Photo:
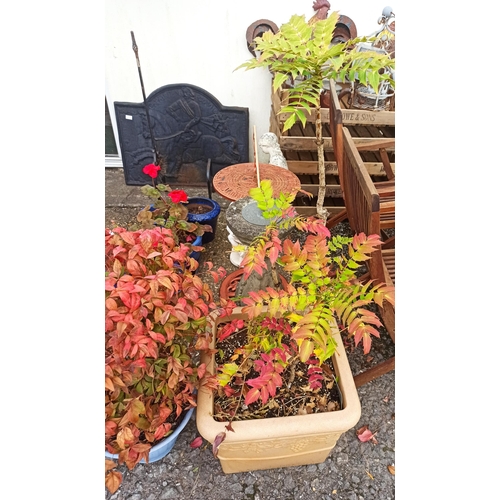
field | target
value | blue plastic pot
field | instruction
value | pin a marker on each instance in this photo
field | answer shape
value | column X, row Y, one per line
column 158, row 451
column 206, row 218
column 197, row 242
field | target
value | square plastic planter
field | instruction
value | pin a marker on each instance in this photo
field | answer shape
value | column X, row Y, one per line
column 284, row 441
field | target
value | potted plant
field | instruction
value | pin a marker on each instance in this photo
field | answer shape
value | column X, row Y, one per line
column 304, row 55
column 285, row 392
column 156, row 312
column 204, row 211
column 191, row 218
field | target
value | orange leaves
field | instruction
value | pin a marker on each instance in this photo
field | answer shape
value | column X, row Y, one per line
column 162, row 431
column 124, row 437
column 113, row 477
column 361, row 328
column 293, row 256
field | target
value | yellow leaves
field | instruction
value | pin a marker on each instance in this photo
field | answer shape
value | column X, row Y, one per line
column 294, row 317
column 228, row 370
column 305, row 350
column 274, row 306
column 392, row 469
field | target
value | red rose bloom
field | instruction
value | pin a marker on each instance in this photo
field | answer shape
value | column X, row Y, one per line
column 151, row 170
column 178, row 195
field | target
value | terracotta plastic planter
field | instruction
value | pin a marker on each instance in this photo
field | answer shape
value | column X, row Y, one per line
column 284, row 441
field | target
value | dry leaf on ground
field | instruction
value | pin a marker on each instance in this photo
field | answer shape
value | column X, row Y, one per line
column 364, row 434
column 113, row 480
column 391, row 469
column 196, row 443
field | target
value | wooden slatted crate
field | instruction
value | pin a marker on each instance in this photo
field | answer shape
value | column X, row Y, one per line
column 370, row 130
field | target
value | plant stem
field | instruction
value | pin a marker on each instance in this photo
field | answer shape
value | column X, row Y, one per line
column 322, row 212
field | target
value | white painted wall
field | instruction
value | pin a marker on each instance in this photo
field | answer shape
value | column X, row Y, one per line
column 201, row 42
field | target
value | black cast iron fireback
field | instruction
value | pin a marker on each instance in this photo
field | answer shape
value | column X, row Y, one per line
column 189, row 126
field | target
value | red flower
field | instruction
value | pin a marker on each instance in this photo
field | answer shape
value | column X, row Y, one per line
column 151, row 170
column 178, row 195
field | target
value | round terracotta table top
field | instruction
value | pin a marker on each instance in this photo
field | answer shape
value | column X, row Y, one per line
column 235, row 181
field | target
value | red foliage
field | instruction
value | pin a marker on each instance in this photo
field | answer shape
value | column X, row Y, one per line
column 156, row 312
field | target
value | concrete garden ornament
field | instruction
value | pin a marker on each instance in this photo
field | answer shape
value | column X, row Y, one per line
column 269, row 144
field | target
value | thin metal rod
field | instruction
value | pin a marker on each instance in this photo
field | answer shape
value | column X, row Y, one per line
column 136, row 50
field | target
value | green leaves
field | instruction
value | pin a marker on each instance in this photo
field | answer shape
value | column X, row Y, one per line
column 272, row 207
column 304, row 54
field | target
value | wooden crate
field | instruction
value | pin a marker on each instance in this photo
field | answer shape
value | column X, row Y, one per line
column 369, row 129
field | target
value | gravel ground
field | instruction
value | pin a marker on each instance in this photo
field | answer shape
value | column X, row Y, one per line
column 353, row 470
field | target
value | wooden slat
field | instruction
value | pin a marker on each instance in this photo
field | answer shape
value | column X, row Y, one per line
column 332, row 190
column 377, row 118
column 372, row 373
column 387, row 164
column 349, row 116
column 312, row 210
column 369, row 131
column 387, row 206
column 309, row 143
column 374, row 144
column 311, row 167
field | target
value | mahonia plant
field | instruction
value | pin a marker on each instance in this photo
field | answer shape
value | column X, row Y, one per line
column 299, row 322
column 156, row 311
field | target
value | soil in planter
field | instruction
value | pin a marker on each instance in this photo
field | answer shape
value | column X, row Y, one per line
column 293, row 398
column 198, row 208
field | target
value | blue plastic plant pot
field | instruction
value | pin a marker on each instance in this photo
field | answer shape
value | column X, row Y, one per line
column 198, row 240
column 198, row 243
column 163, row 448
column 206, row 218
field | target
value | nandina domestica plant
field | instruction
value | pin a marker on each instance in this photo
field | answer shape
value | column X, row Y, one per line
column 168, row 209
column 156, row 313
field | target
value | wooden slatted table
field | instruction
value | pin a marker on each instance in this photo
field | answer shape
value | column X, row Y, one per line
column 235, row 181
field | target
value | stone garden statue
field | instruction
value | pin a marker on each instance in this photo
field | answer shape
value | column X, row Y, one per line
column 269, row 144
